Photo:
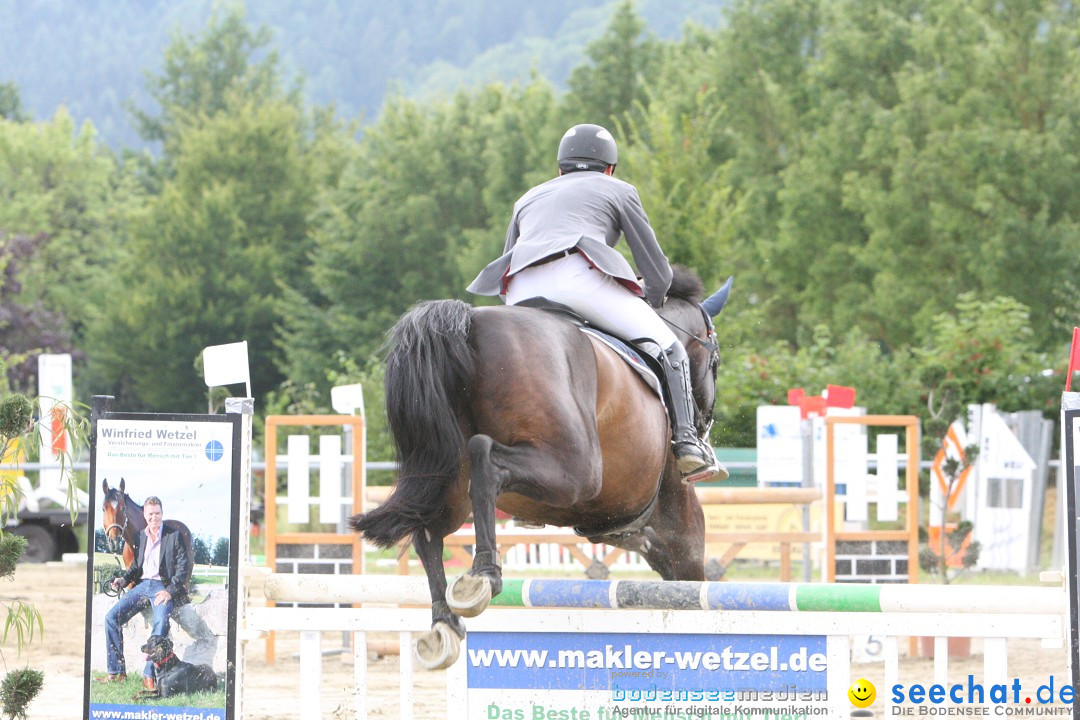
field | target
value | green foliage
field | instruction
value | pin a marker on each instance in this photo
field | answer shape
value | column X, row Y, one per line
column 372, row 377
column 19, row 431
column 18, row 688
column 63, row 204
column 203, row 73
column 955, row 544
column 11, row 103
column 413, row 218
column 24, row 619
column 690, row 205
column 967, row 168
column 11, row 549
column 201, row 550
column 857, row 166
column 16, row 415
column 18, row 428
column 221, row 552
column 612, row 83
column 980, row 352
column 750, row 377
column 209, row 253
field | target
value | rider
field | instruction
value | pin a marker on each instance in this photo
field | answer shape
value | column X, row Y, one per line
column 560, row 246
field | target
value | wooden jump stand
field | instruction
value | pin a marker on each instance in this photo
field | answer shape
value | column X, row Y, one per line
column 910, row 532
column 273, row 537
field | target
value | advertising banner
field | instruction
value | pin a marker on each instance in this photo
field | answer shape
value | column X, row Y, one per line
column 1070, row 480
column 594, row 676
column 162, row 578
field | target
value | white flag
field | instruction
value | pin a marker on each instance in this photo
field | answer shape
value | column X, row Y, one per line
column 348, row 399
column 226, row 364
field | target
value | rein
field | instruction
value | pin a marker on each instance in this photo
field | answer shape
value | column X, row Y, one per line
column 709, row 344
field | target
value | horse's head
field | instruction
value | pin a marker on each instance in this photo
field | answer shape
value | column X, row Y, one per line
column 114, row 516
column 690, row 316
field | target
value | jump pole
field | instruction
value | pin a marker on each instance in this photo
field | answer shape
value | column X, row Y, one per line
column 834, row 611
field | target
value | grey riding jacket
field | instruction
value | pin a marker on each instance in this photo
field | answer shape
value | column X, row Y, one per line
column 587, row 212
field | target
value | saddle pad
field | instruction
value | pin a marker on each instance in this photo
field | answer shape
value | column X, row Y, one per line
column 632, row 357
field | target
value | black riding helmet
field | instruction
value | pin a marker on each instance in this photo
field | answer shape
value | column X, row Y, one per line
column 587, row 147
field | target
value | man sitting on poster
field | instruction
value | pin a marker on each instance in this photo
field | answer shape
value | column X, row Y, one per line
column 160, row 571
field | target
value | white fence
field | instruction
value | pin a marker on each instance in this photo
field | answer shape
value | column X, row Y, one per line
column 995, row 614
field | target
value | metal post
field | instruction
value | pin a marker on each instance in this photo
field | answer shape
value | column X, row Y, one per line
column 807, row 482
column 245, row 407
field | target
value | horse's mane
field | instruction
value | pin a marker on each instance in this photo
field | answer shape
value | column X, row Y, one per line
column 686, row 285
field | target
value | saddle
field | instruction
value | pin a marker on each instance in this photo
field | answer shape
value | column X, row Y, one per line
column 643, row 363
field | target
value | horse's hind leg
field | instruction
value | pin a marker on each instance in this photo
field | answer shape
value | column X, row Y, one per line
column 557, row 479
column 470, row 594
column 437, row 648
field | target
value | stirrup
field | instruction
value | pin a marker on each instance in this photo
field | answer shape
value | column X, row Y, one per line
column 698, row 466
column 716, row 472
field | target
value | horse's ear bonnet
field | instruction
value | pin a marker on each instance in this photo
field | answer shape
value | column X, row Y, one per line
column 716, row 302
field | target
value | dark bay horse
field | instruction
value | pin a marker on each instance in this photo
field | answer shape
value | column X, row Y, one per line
column 123, row 520
column 516, row 408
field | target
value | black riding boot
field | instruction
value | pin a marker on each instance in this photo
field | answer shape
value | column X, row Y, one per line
column 694, row 459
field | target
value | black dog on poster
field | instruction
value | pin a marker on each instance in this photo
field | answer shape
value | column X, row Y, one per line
column 174, row 676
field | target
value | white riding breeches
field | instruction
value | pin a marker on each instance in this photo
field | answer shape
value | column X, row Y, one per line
column 594, row 295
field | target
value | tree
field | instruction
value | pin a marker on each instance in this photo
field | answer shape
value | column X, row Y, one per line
column 221, row 552
column 11, row 103
column 753, row 373
column 967, row 169
column 201, row 75
column 611, row 86
column 690, row 205
column 201, row 550
column 209, row 253
column 62, row 210
column 417, row 214
column 981, row 352
column 747, row 90
column 27, row 327
column 205, row 257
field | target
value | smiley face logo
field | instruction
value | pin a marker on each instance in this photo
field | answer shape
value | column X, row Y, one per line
column 862, row 693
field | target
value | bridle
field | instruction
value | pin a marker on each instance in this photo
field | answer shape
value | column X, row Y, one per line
column 122, row 528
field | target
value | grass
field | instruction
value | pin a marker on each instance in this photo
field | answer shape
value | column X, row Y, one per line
column 127, row 693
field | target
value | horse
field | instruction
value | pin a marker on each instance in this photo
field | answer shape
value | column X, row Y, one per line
column 516, row 408
column 123, row 520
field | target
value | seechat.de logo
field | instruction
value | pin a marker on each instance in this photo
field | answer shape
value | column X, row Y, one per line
column 215, row 450
column 862, row 694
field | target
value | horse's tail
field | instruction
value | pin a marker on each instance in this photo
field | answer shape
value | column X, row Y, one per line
column 428, row 372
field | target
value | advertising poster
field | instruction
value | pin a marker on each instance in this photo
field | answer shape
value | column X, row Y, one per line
column 1070, row 474
column 602, row 676
column 162, row 577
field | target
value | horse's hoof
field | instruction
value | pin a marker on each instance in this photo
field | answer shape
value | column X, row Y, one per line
column 437, row 649
column 468, row 595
